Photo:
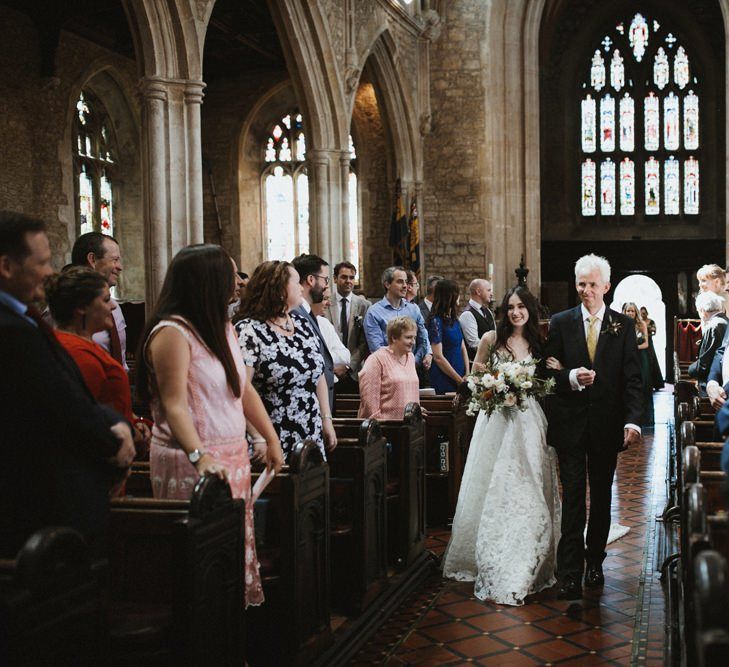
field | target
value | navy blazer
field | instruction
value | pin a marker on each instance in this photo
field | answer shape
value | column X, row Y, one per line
column 714, row 334
column 715, row 371
column 615, row 399
column 55, row 440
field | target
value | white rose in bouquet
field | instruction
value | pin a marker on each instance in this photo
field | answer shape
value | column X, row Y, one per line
column 510, row 400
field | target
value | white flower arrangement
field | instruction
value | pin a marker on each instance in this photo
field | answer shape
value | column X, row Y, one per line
column 506, row 385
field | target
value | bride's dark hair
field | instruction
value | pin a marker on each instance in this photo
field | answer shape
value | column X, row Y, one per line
column 531, row 332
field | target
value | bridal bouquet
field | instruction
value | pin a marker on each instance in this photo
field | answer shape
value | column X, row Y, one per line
column 506, row 385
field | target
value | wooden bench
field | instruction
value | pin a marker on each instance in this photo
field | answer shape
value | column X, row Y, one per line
column 176, row 577
column 50, row 603
column 292, row 541
column 358, row 513
column 711, row 605
column 405, row 483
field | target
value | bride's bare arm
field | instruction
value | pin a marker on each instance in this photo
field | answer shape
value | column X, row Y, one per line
column 485, row 344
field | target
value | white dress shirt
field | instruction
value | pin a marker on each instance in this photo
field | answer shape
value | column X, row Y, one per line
column 576, row 386
column 104, row 339
column 469, row 326
column 428, row 303
column 340, row 354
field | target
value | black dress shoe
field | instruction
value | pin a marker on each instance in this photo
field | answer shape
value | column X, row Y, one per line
column 570, row 589
column 594, row 576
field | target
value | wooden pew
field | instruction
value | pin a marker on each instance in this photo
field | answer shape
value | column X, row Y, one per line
column 50, row 603
column 292, row 541
column 358, row 512
column 139, row 483
column 711, row 604
column 176, row 578
column 405, row 483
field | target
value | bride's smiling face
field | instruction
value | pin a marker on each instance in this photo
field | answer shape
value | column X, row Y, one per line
column 518, row 313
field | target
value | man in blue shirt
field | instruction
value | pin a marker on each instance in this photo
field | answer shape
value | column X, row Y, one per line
column 394, row 304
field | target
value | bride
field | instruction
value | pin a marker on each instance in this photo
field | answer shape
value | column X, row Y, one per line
column 506, row 526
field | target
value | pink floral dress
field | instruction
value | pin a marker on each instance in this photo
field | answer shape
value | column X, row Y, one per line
column 218, row 418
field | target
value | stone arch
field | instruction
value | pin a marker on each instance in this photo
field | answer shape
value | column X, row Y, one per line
column 117, row 96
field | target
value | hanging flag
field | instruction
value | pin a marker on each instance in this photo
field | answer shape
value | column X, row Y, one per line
column 414, row 239
column 399, row 230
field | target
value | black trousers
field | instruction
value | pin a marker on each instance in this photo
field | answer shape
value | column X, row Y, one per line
column 576, row 465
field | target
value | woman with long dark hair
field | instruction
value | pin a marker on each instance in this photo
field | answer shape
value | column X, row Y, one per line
column 510, row 472
column 192, row 372
column 450, row 355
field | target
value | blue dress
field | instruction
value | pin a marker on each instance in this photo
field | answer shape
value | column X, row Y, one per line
column 451, row 337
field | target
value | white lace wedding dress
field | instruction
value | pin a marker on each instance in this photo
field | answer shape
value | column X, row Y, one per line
column 507, row 523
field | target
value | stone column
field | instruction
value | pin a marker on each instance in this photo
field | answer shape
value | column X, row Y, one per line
column 319, row 213
column 344, row 162
column 154, row 189
column 172, row 172
column 193, row 100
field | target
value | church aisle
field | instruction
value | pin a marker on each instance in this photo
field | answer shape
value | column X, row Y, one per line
column 445, row 624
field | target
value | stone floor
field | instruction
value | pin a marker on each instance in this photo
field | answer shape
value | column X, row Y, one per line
column 443, row 623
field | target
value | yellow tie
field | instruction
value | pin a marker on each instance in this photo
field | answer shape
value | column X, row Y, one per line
column 592, row 338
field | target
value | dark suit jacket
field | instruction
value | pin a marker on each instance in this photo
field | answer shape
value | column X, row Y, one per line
column 54, row 439
column 356, row 341
column 711, row 340
column 715, row 370
column 328, row 361
column 615, row 399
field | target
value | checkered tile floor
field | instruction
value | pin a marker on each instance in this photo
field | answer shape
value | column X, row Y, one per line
column 623, row 624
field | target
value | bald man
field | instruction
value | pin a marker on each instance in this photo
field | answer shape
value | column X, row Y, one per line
column 477, row 319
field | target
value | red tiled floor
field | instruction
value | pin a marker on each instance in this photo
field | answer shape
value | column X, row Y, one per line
column 455, row 628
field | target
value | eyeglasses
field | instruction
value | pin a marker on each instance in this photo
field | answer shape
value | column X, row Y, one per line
column 324, row 278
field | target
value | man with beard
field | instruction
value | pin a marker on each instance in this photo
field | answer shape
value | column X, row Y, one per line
column 314, row 278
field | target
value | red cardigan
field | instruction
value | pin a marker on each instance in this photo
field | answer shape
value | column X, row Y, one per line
column 104, row 376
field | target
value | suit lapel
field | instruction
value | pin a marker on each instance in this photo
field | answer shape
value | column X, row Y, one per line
column 602, row 339
column 579, row 327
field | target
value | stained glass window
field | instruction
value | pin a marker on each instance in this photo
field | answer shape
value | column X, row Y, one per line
column 627, row 123
column 661, row 70
column 588, row 125
column 691, row 121
column 652, row 187
column 285, row 183
column 651, row 114
column 638, row 36
column 607, row 187
column 588, row 188
column 627, row 187
column 645, row 170
column 598, row 71
column 672, row 187
column 607, row 124
column 681, row 68
column 95, row 164
column 691, row 186
column 671, row 131
column 617, row 71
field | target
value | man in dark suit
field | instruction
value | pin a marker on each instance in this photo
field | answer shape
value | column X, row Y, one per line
column 61, row 450
column 346, row 312
column 314, row 278
column 710, row 307
column 717, row 382
column 595, row 414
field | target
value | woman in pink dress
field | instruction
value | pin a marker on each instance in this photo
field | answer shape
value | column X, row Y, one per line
column 195, row 380
column 388, row 380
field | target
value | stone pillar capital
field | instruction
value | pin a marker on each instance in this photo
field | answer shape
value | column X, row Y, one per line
column 194, row 92
column 319, row 156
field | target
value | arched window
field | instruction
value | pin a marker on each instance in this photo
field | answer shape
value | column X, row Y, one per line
column 639, row 125
column 286, row 192
column 95, row 166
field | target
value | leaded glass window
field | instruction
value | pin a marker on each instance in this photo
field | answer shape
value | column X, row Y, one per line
column 285, row 183
column 95, row 166
column 642, row 137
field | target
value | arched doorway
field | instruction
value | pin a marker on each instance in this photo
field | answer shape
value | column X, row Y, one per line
column 645, row 292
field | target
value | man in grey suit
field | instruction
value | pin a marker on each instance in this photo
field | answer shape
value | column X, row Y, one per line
column 314, row 278
column 346, row 312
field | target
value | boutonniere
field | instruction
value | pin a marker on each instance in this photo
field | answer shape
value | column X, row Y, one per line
column 612, row 327
column 358, row 319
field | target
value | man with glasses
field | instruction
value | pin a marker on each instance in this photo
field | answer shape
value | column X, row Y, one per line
column 314, row 278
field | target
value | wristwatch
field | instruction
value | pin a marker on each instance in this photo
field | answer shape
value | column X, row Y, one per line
column 195, row 455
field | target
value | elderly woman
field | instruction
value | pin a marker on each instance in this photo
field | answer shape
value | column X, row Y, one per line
column 713, row 325
column 388, row 380
column 282, row 357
